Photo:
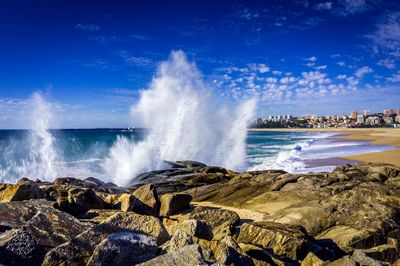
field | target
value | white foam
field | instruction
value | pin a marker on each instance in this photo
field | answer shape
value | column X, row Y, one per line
column 184, row 121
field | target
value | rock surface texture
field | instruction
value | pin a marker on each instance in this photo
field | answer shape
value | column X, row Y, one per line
column 193, row 214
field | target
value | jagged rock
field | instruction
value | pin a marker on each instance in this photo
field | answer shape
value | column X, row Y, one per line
column 185, row 164
column 192, row 228
column 79, row 201
column 97, row 215
column 178, row 240
column 221, row 221
column 312, row 260
column 344, row 261
column 228, row 252
column 89, row 182
column 20, row 191
column 48, row 226
column 79, row 250
column 285, row 240
column 362, row 259
column 131, row 203
column 111, row 200
column 147, row 194
column 188, row 255
column 173, row 203
column 18, row 247
column 124, row 248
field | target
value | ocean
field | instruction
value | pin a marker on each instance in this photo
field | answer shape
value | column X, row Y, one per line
column 82, row 152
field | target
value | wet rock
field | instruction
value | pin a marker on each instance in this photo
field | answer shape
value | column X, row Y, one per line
column 285, row 240
column 188, row 255
column 124, row 248
column 49, row 226
column 19, row 192
column 221, row 221
column 18, row 247
column 79, row 250
column 173, row 203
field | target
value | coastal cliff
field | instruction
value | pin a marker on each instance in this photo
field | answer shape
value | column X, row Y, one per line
column 194, row 214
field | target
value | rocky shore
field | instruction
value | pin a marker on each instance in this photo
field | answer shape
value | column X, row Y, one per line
column 194, row 214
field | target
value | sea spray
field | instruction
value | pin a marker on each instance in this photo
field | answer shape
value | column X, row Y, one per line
column 185, row 123
column 31, row 154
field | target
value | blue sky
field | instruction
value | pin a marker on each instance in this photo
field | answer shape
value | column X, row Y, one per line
column 91, row 58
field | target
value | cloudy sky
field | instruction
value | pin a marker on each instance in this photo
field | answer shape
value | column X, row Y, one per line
column 91, row 58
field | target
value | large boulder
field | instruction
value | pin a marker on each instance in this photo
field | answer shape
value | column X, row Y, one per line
column 49, row 226
column 191, row 227
column 18, row 247
column 144, row 200
column 221, row 221
column 124, row 248
column 148, row 195
column 80, row 200
column 80, row 249
column 188, row 255
column 173, row 203
column 285, row 240
column 20, row 191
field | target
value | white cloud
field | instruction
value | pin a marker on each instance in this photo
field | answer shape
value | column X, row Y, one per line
column 87, row 27
column 388, row 63
column 386, row 37
column 140, row 37
column 360, row 72
column 323, row 6
column 341, row 63
column 349, row 7
column 311, row 59
column 395, row 77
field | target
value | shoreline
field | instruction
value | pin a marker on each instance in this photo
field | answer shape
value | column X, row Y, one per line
column 375, row 136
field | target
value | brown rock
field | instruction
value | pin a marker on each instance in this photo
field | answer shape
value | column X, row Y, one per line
column 221, row 221
column 21, row 191
column 48, row 226
column 79, row 250
column 285, row 240
column 173, row 203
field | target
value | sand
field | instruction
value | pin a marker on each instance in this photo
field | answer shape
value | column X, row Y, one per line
column 378, row 136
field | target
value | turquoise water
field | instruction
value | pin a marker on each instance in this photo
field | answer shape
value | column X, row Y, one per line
column 81, row 153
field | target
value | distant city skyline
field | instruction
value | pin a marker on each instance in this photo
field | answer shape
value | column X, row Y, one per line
column 91, row 59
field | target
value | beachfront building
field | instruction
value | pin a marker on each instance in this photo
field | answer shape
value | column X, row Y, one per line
column 354, row 115
column 360, row 119
column 373, row 120
column 366, row 113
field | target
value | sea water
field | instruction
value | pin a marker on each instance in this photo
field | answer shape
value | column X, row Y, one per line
column 82, row 152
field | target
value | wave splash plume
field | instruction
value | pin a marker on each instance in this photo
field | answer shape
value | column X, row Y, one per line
column 185, row 123
column 32, row 154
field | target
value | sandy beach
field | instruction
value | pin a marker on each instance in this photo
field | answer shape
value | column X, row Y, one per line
column 377, row 136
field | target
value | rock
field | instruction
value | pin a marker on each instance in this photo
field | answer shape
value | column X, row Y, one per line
column 192, row 228
column 173, row 203
column 179, row 240
column 124, row 248
column 344, row 261
column 228, row 252
column 221, row 221
column 79, row 250
column 19, row 192
column 48, row 226
column 79, row 201
column 188, row 255
column 147, row 194
column 18, row 247
column 131, row 203
column 285, row 240
column 388, row 252
column 361, row 259
column 112, row 200
column 312, row 260
column 97, row 215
